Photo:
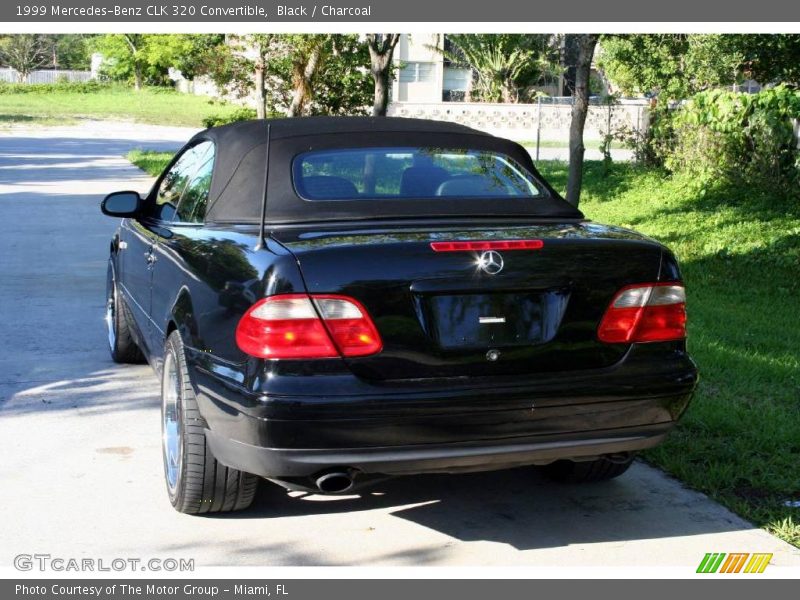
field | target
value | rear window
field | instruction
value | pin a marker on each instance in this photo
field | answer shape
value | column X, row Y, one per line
column 397, row 173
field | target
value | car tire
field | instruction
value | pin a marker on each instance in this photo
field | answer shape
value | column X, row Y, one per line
column 120, row 341
column 603, row 469
column 196, row 482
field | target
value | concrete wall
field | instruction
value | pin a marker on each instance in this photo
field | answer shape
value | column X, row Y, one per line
column 549, row 119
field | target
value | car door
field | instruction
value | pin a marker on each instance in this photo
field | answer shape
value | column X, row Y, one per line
column 135, row 243
column 173, row 232
column 140, row 253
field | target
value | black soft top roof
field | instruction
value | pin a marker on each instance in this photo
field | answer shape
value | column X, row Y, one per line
column 302, row 126
column 240, row 170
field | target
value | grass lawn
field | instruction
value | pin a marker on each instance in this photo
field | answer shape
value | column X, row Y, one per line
column 740, row 253
column 150, row 161
column 150, row 105
column 17, row 119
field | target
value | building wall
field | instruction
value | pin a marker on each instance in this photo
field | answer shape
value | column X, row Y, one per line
column 422, row 73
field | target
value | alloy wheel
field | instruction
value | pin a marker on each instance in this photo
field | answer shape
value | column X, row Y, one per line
column 171, row 430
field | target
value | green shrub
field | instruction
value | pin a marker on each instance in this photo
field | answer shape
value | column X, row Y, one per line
column 160, row 89
column 240, row 114
column 92, row 86
column 78, row 87
column 743, row 140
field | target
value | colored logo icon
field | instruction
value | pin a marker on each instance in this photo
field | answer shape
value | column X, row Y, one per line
column 734, row 562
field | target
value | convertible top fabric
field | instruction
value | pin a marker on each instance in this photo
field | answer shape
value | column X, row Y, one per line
column 240, row 171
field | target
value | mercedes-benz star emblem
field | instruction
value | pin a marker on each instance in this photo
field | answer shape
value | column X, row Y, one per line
column 491, row 262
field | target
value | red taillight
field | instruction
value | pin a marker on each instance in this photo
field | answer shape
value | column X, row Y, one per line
column 349, row 325
column 651, row 312
column 487, row 245
column 289, row 326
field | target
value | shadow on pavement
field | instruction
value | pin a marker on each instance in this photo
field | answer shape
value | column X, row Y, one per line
column 519, row 507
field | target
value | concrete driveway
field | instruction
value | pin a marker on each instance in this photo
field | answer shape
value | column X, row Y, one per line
column 81, row 469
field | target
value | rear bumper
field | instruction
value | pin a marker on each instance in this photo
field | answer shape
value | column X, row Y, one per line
column 290, row 464
column 422, row 426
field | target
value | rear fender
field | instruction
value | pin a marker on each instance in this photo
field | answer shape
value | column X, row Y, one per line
column 182, row 318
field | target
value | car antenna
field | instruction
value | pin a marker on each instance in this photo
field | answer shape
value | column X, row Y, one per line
column 262, row 226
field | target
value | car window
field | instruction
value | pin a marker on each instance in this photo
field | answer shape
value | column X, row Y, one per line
column 367, row 173
column 174, row 181
column 192, row 207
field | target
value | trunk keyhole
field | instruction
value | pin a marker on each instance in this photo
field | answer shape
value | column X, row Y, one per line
column 492, row 355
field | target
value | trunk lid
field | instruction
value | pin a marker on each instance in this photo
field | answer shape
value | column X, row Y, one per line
column 440, row 315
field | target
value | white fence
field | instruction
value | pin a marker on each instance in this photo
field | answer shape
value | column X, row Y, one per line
column 548, row 120
column 45, row 76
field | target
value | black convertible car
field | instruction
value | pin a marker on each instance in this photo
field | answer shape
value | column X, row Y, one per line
column 331, row 301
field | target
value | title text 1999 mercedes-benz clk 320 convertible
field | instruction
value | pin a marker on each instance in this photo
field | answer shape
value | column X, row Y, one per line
column 333, row 301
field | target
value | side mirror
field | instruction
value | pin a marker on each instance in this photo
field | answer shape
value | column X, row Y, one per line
column 121, row 204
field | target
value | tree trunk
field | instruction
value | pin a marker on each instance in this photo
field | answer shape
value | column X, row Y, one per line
column 510, row 94
column 580, row 107
column 303, row 78
column 261, row 98
column 381, row 50
column 381, row 102
column 298, row 100
column 137, row 76
column 132, row 40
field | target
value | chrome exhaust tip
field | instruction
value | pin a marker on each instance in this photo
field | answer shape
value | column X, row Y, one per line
column 334, row 483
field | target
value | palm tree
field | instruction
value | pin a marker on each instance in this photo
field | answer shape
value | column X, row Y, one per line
column 506, row 65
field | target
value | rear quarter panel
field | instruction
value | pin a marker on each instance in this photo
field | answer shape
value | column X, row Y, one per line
column 206, row 278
